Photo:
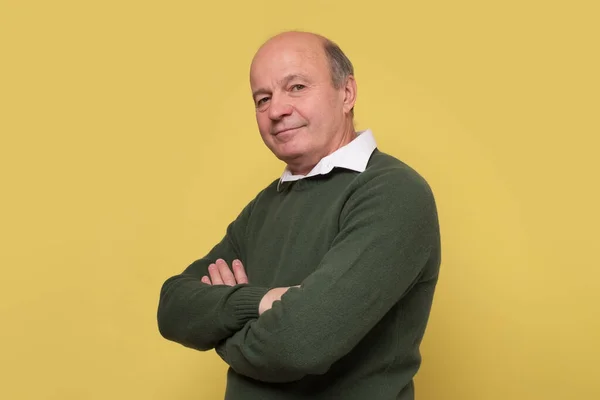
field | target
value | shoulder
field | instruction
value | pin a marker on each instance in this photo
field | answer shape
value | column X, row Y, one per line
column 388, row 174
column 391, row 193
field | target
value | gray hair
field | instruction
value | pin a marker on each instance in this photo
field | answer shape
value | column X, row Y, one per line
column 339, row 64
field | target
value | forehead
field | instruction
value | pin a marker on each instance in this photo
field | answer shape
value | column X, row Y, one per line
column 275, row 61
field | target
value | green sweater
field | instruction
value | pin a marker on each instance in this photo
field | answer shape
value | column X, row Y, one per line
column 365, row 248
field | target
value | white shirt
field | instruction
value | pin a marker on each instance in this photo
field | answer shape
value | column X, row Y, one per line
column 354, row 156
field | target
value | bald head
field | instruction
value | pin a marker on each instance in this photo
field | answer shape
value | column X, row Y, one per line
column 294, row 37
column 306, row 40
column 340, row 67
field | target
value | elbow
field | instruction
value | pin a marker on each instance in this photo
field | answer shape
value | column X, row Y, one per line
column 169, row 324
column 174, row 323
column 176, row 329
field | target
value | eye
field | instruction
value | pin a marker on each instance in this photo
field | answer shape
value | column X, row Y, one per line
column 262, row 101
column 297, row 87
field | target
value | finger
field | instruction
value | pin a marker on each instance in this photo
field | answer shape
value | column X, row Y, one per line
column 225, row 272
column 239, row 272
column 215, row 275
column 206, row 279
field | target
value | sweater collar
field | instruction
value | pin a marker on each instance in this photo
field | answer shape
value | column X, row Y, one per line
column 353, row 156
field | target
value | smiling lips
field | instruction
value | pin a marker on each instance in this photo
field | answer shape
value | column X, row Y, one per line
column 285, row 130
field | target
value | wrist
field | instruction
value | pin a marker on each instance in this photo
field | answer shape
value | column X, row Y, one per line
column 265, row 303
column 270, row 297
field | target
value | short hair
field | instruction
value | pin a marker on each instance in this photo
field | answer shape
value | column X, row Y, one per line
column 340, row 65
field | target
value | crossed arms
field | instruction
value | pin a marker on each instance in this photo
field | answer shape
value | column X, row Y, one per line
column 221, row 274
column 284, row 334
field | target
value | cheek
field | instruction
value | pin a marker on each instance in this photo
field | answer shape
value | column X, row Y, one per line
column 308, row 112
column 318, row 109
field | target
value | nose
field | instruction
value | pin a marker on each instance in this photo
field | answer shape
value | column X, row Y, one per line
column 279, row 107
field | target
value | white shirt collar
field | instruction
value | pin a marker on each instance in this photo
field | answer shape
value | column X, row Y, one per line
column 354, row 156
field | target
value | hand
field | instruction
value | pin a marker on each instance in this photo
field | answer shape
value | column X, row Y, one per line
column 272, row 296
column 220, row 274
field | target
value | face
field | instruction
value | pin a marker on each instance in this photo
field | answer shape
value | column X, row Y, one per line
column 301, row 116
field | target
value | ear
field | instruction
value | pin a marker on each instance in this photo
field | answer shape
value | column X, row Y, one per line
column 349, row 94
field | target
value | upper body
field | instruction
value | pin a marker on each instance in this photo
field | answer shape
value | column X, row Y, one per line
column 335, row 268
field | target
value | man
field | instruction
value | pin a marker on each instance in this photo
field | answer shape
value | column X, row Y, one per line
column 333, row 266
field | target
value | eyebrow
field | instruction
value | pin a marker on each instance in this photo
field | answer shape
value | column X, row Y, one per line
column 287, row 79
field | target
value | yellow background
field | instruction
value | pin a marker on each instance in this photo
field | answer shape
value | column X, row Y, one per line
column 128, row 142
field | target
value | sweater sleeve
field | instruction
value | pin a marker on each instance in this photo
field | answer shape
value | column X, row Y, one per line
column 388, row 229
column 198, row 315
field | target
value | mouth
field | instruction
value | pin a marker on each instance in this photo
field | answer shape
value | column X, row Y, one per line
column 289, row 130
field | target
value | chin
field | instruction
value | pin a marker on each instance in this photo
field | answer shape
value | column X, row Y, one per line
column 288, row 153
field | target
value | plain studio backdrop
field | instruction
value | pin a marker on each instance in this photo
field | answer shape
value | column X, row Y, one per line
column 128, row 143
